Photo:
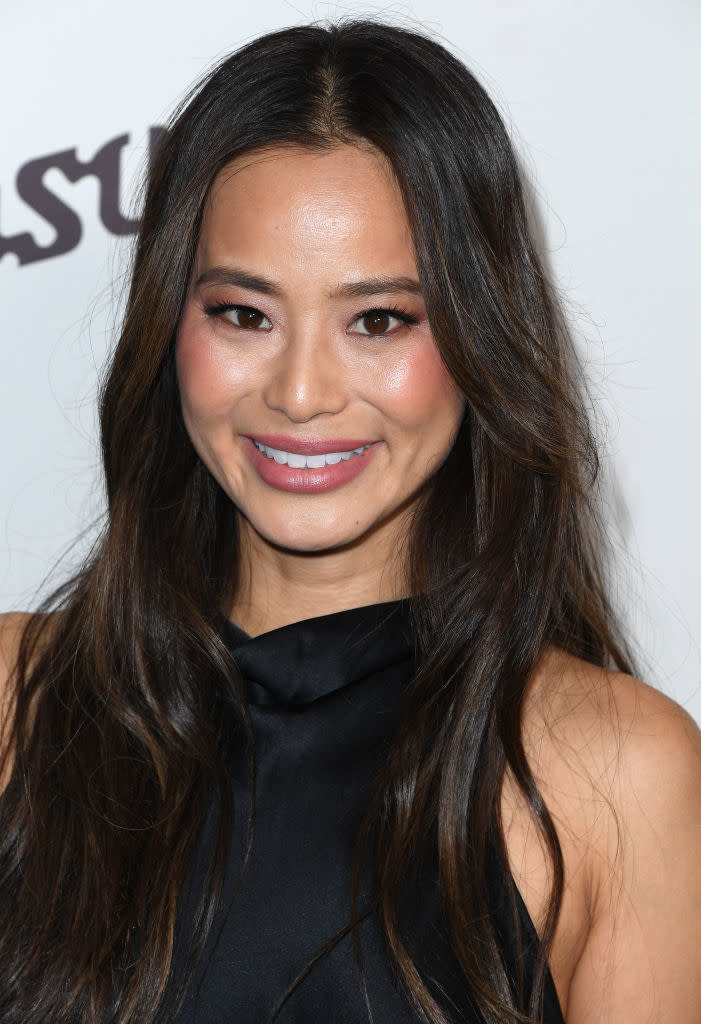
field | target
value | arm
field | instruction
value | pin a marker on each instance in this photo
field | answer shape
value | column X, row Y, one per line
column 641, row 961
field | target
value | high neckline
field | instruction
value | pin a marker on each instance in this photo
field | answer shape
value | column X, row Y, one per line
column 304, row 661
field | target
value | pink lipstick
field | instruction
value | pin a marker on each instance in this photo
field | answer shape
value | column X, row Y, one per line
column 309, row 445
column 334, row 462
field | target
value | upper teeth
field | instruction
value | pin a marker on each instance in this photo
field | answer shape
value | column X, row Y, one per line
column 308, row 461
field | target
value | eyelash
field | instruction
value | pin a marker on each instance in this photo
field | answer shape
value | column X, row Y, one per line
column 407, row 318
column 219, row 308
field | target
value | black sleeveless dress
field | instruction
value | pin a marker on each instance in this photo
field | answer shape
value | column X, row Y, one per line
column 325, row 699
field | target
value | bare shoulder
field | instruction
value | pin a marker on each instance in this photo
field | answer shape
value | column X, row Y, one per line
column 622, row 731
column 619, row 766
column 12, row 626
column 607, row 736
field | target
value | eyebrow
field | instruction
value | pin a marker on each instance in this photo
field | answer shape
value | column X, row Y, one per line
column 351, row 290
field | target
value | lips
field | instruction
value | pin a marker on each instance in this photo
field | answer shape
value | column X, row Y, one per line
column 312, row 479
column 309, row 445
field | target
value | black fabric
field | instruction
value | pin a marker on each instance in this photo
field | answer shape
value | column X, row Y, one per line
column 325, row 699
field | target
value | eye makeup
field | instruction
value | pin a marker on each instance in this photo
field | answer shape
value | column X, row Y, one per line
column 251, row 318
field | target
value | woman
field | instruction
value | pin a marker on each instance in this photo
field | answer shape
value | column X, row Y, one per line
column 335, row 722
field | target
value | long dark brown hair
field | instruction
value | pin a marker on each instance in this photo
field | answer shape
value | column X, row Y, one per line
column 115, row 740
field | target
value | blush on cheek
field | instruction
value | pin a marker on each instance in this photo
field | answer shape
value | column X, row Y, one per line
column 420, row 384
column 205, row 385
column 191, row 361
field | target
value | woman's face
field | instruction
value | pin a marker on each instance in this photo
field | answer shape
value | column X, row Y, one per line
column 305, row 335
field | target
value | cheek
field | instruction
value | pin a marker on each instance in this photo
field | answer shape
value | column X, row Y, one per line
column 205, row 378
column 421, row 393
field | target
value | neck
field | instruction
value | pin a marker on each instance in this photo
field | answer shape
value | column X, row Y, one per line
column 279, row 586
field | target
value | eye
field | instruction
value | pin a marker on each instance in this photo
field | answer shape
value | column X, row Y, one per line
column 379, row 322
column 245, row 317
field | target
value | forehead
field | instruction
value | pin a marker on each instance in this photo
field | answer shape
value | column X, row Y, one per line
column 296, row 199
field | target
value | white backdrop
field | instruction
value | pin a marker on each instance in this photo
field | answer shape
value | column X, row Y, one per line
column 602, row 98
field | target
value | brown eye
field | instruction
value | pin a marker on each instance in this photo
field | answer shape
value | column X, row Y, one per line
column 249, row 318
column 376, row 323
column 246, row 318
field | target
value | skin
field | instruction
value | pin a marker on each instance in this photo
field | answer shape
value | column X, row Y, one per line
column 619, row 767
column 313, row 224
column 618, row 764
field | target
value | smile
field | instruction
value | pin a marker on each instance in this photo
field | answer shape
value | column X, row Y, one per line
column 295, row 461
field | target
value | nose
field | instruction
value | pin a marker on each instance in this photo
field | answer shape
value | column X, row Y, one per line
column 306, row 378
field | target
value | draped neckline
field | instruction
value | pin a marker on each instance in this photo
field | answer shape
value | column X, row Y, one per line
column 326, row 694
column 304, row 661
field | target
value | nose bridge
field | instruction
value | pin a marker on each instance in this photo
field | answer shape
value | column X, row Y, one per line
column 306, row 378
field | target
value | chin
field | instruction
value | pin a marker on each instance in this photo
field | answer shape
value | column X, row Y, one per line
column 311, row 537
column 314, row 543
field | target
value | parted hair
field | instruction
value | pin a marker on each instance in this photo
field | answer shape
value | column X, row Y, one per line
column 115, row 742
